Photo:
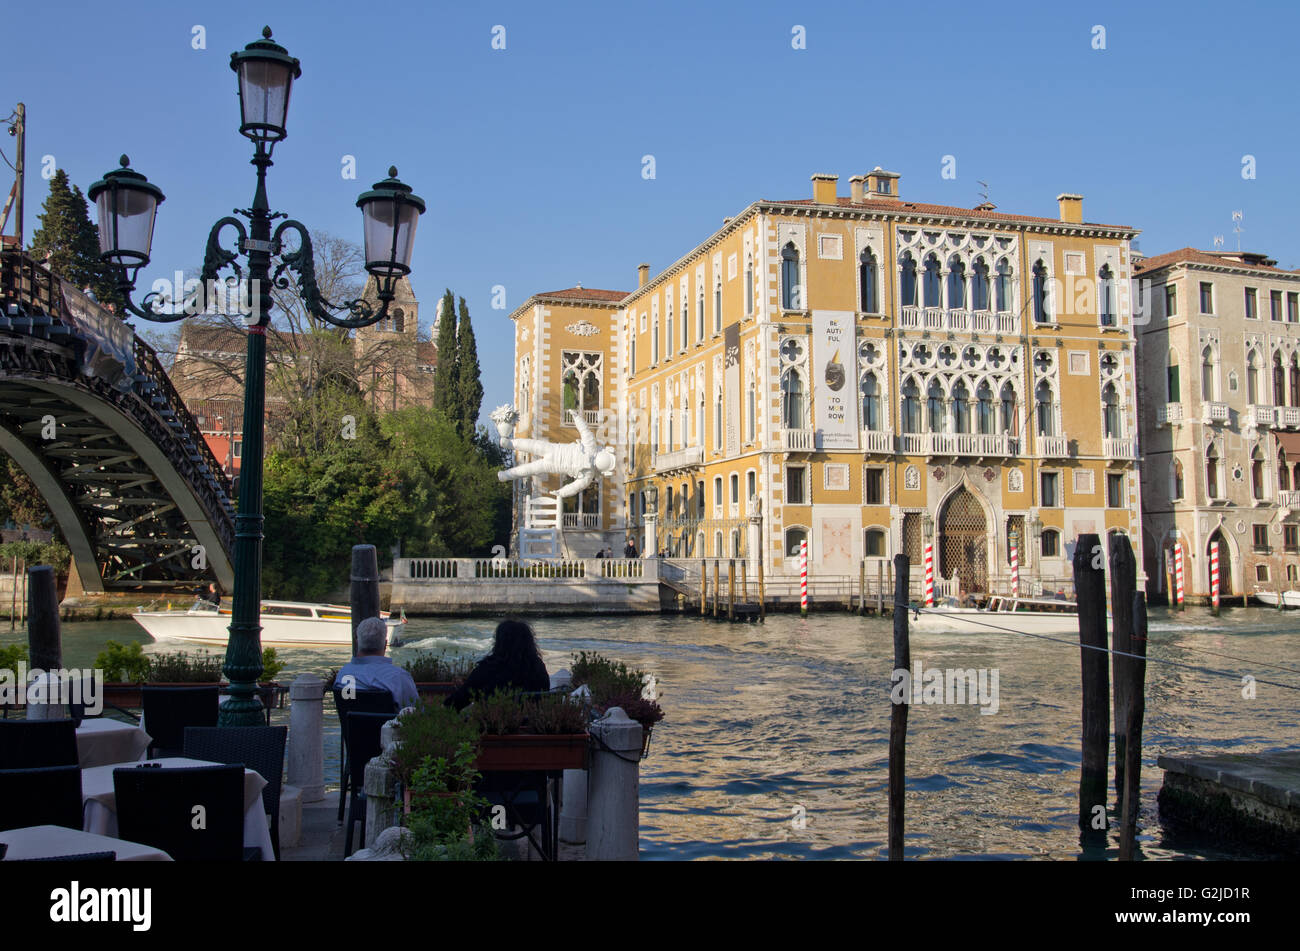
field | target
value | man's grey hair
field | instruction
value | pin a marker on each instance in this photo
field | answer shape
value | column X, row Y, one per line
column 372, row 635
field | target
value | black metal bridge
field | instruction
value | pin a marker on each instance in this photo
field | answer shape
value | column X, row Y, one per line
column 88, row 412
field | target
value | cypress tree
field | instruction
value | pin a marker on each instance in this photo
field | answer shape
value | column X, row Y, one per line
column 70, row 241
column 446, row 373
column 469, row 389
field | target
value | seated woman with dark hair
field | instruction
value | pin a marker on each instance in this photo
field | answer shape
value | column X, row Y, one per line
column 514, row 664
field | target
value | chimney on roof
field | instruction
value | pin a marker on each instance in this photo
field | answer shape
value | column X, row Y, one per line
column 856, row 185
column 1071, row 207
column 824, row 188
column 882, row 184
column 642, row 274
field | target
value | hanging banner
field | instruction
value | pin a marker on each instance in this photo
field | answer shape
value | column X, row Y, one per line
column 835, row 385
column 731, row 381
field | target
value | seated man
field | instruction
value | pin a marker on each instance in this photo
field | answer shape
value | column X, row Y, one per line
column 371, row 670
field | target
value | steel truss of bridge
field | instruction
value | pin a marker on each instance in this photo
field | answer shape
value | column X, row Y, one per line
column 89, row 414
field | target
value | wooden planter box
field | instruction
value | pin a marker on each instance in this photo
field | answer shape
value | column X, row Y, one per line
column 436, row 688
column 527, row 751
column 131, row 696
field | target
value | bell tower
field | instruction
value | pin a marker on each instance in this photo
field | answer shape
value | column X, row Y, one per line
column 386, row 352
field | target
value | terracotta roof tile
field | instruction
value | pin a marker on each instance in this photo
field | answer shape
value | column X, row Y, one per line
column 586, row 293
column 1193, row 256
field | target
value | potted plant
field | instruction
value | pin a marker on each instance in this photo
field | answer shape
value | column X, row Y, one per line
column 127, row 669
column 547, row 732
column 436, row 674
column 613, row 684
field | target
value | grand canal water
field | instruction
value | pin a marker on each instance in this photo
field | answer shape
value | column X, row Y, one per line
column 785, row 724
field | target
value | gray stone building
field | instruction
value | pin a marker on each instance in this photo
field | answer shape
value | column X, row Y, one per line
column 1219, row 392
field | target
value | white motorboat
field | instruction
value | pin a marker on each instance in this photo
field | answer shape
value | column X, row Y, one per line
column 284, row 624
column 1026, row 615
column 1290, row 599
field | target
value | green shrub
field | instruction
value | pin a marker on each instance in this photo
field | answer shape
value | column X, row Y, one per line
column 605, row 678
column 12, row 656
column 180, row 668
column 123, row 663
column 432, row 733
column 271, row 664
column 428, row 667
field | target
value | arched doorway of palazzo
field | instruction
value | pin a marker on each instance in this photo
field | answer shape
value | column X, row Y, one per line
column 964, row 541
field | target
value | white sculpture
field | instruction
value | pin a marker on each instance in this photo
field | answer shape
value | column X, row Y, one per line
column 582, row 459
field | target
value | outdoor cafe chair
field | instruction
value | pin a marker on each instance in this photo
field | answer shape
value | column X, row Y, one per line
column 28, row 744
column 362, row 701
column 169, row 710
column 42, row 796
column 259, row 748
column 361, row 732
column 156, row 807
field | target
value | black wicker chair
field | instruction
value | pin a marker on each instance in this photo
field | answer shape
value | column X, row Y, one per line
column 156, row 807
column 361, row 733
column 44, row 796
column 259, row 748
column 362, row 701
column 29, row 744
column 169, row 710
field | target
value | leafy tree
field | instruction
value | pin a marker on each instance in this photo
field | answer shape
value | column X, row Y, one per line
column 446, row 375
column 469, row 389
column 69, row 241
column 20, row 501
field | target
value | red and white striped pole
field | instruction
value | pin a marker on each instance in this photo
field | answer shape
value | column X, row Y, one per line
column 803, row 577
column 1214, row 577
column 1015, row 567
column 1179, row 588
column 929, row 574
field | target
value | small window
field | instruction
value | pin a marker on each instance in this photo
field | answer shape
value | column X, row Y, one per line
column 1049, row 489
column 1171, row 300
column 1252, row 304
column 1292, row 573
column 874, row 486
column 1207, row 297
column 717, row 490
column 796, row 489
column 1292, row 307
column 751, row 485
column 1115, row 490
column 1261, row 572
column 1291, row 537
column 1050, row 543
column 873, row 544
column 794, row 539
column 1275, row 305
column 735, row 489
column 1259, row 537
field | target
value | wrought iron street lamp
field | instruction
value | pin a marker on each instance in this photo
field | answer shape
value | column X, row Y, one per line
column 127, row 204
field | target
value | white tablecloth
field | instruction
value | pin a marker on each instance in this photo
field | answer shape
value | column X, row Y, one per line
column 102, row 742
column 39, row 842
column 100, row 802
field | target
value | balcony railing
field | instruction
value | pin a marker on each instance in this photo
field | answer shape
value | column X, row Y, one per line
column 1288, row 416
column 1054, row 447
column 589, row 416
column 1262, row 415
column 798, row 440
column 932, row 318
column 874, row 440
column 1169, row 414
column 914, row 444
column 973, row 444
column 1120, row 447
column 680, row 458
column 1215, row 412
column 910, row 318
column 959, row 321
column 582, row 520
column 1289, row 498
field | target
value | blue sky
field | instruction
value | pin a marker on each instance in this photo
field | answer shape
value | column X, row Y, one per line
column 530, row 158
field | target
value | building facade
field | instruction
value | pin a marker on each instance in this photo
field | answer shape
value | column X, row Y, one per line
column 1219, row 384
column 867, row 374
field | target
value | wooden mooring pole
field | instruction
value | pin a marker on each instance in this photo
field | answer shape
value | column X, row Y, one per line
column 862, row 586
column 715, row 587
column 1090, row 592
column 1123, row 584
column 731, row 589
column 1136, row 710
column 365, row 587
column 900, row 701
column 880, row 588
column 704, row 588
column 44, row 645
column 744, row 581
column 762, row 591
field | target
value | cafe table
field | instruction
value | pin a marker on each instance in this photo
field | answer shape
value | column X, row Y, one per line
column 99, row 801
column 41, row 842
column 102, row 742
